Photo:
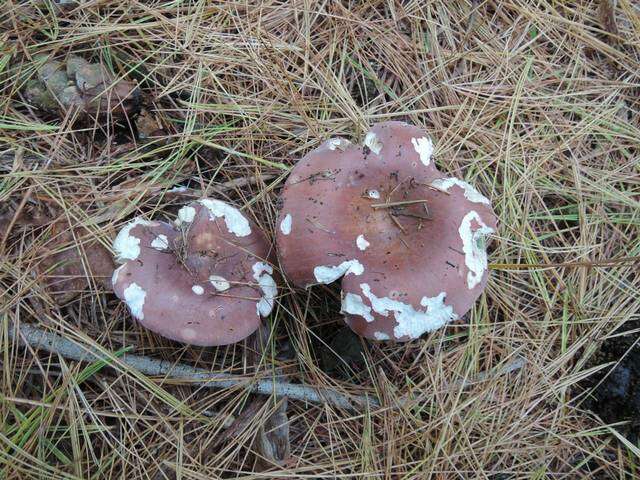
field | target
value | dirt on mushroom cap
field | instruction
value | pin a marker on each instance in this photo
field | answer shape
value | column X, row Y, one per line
column 203, row 282
column 424, row 263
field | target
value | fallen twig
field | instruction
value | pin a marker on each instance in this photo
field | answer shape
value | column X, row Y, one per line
column 396, row 204
column 52, row 342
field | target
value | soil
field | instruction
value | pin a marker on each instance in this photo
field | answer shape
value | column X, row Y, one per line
column 616, row 389
column 344, row 357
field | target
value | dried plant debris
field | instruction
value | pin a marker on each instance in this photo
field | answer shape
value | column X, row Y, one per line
column 74, row 261
column 607, row 14
column 77, row 84
column 57, row 4
column 148, row 125
column 272, row 443
column 12, row 217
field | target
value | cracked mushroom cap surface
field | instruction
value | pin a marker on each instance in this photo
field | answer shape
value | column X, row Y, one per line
column 408, row 241
column 206, row 280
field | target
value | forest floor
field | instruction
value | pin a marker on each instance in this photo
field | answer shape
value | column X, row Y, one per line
column 537, row 104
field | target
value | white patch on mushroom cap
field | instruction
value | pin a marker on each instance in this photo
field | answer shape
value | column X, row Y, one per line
column 375, row 194
column 362, row 243
column 197, row 289
column 381, row 336
column 126, row 246
column 372, row 141
column 134, row 296
column 354, row 305
column 285, row 225
column 470, row 193
column 219, row 283
column 474, row 248
column 339, row 143
column 114, row 275
column 235, row 221
column 325, row 274
column 186, row 215
column 262, row 274
column 161, row 242
column 424, row 147
column 412, row 322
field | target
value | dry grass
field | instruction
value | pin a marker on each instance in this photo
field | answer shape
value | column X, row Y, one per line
column 534, row 102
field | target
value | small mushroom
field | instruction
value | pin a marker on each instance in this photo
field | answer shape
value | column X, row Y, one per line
column 71, row 263
column 408, row 241
column 204, row 281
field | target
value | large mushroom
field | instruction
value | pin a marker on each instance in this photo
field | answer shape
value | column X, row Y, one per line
column 408, row 241
column 204, row 281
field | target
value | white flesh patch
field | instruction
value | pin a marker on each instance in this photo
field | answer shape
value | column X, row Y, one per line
column 134, row 297
column 161, row 242
column 219, row 283
column 412, row 322
column 473, row 247
column 186, row 215
column 375, row 194
column 178, row 189
column 372, row 141
column 285, row 225
column 339, row 143
column 235, row 221
column 114, row 276
column 424, row 147
column 354, row 305
column 470, row 193
column 331, row 274
column 262, row 274
column 197, row 289
column 381, row 336
column 362, row 243
column 126, row 246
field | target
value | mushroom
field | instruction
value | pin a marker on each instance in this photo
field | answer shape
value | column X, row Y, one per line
column 69, row 264
column 206, row 280
column 408, row 241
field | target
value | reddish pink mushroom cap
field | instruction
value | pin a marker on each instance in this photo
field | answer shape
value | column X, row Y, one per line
column 205, row 281
column 408, row 242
